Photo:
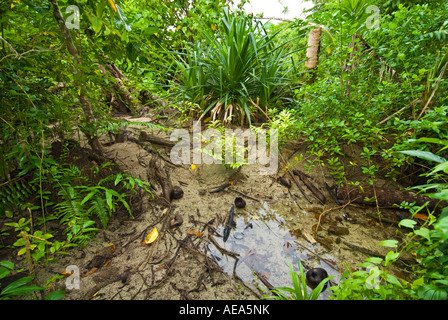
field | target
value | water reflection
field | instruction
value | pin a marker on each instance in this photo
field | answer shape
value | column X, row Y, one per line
column 266, row 241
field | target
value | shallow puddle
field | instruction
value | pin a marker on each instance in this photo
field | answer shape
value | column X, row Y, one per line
column 267, row 239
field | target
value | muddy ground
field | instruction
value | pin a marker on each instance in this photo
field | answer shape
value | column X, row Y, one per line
column 191, row 261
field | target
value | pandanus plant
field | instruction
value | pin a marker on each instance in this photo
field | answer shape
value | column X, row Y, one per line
column 234, row 69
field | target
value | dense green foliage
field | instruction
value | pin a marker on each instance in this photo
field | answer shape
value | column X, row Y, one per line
column 381, row 88
column 230, row 66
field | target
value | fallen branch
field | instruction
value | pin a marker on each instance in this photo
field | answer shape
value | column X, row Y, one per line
column 332, row 194
column 222, row 250
column 294, row 178
column 319, row 196
column 244, row 195
column 221, row 188
column 146, row 137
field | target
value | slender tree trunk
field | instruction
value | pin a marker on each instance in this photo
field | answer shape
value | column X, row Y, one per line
column 85, row 102
column 351, row 63
column 128, row 101
column 312, row 52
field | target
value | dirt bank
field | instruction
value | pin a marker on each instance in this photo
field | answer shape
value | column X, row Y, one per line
column 191, row 261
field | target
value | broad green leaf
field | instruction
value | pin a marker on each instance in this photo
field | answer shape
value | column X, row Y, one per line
column 423, row 232
column 19, row 242
column 391, row 256
column 440, row 167
column 442, row 225
column 431, row 292
column 21, row 290
column 443, row 282
column 16, row 284
column 388, row 243
column 440, row 195
column 426, row 155
column 392, row 279
column 21, row 251
column 7, row 264
column 418, row 283
column 407, row 223
column 97, row 24
column 432, row 140
column 55, row 295
column 4, row 272
column 377, row 260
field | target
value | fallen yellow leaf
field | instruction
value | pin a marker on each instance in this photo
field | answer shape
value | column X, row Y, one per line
column 193, row 166
column 152, row 236
column 112, row 4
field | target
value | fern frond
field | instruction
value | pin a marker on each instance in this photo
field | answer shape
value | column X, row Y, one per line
column 15, row 193
column 98, row 206
column 148, row 125
column 71, row 207
column 114, row 125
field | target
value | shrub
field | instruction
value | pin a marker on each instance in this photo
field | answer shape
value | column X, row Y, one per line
column 235, row 70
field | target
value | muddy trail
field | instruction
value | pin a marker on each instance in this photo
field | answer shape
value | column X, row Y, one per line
column 190, row 259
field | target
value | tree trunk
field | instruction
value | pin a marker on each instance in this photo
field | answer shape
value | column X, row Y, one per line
column 126, row 103
column 312, row 52
column 351, row 63
column 86, row 104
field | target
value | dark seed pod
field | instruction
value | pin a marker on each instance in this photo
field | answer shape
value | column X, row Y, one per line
column 176, row 193
column 285, row 182
column 176, row 221
column 240, row 202
column 315, row 276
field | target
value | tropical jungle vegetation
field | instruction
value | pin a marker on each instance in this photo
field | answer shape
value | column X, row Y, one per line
column 69, row 67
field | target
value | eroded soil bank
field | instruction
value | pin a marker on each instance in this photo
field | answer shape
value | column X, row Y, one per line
column 190, row 260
